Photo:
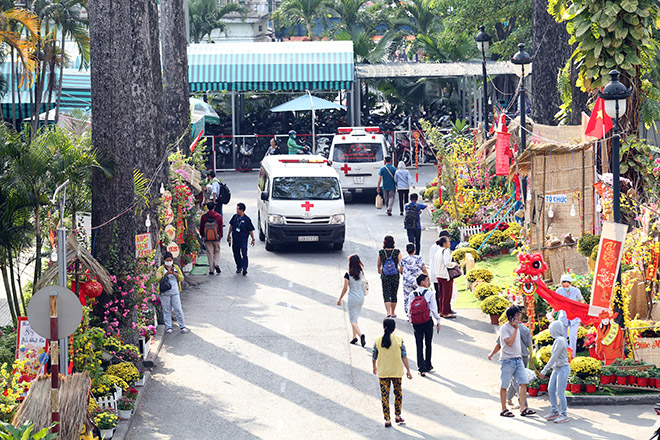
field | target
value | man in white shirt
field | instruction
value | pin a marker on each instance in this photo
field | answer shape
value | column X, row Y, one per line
column 423, row 329
column 573, row 293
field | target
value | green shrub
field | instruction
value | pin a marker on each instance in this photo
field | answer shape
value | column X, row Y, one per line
column 543, row 338
column 514, row 228
column 495, row 305
column 484, row 290
column 586, row 244
column 479, row 274
column 459, row 254
column 594, row 252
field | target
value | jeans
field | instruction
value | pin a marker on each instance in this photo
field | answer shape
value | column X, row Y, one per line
column 403, row 198
column 240, row 249
column 424, row 335
column 388, row 199
column 571, row 335
column 169, row 303
column 415, row 237
column 213, row 253
column 512, row 368
column 557, row 388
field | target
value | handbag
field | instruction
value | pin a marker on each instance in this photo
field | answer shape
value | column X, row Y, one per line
column 379, row 201
column 365, row 285
column 164, row 284
column 454, row 272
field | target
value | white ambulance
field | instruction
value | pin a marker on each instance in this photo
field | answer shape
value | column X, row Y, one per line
column 300, row 200
column 358, row 153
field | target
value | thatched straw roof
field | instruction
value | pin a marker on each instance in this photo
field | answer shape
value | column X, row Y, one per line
column 76, row 250
column 74, row 392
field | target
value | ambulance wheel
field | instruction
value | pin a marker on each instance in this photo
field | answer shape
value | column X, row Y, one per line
column 262, row 236
column 270, row 247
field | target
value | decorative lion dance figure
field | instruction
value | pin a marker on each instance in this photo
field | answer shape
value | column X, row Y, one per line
column 531, row 270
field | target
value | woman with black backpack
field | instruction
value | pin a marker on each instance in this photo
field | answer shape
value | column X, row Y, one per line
column 389, row 269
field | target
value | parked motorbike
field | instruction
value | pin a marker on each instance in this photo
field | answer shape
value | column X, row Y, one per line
column 222, row 153
column 245, row 152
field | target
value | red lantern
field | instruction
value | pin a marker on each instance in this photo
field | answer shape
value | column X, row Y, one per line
column 92, row 289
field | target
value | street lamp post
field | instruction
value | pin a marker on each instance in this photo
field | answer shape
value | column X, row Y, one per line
column 615, row 94
column 519, row 61
column 483, row 41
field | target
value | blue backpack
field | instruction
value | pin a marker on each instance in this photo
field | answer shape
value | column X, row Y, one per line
column 389, row 266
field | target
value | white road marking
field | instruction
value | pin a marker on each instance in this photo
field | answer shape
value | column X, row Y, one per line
column 283, row 386
column 290, row 283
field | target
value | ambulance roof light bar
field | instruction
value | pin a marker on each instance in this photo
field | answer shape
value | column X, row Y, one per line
column 348, row 130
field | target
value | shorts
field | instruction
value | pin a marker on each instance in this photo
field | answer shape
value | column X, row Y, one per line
column 512, row 368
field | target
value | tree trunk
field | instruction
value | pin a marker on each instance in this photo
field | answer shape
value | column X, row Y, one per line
column 126, row 125
column 39, row 242
column 13, row 85
column 551, row 50
column 579, row 98
column 175, row 73
column 59, row 83
column 10, row 301
column 13, row 283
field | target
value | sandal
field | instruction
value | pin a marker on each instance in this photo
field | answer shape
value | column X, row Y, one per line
column 527, row 412
column 399, row 419
column 507, row 413
column 388, row 423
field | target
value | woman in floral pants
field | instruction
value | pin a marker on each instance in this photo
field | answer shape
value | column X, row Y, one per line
column 388, row 354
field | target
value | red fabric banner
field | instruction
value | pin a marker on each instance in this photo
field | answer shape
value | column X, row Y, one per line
column 502, row 156
column 607, row 265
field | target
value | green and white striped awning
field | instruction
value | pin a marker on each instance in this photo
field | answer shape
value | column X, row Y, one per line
column 299, row 65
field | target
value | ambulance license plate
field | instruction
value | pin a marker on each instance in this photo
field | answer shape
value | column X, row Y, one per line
column 358, row 180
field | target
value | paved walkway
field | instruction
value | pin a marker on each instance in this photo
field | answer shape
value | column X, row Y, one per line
column 268, row 358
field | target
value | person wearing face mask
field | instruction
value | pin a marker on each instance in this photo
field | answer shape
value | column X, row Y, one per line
column 567, row 290
column 294, row 148
column 171, row 298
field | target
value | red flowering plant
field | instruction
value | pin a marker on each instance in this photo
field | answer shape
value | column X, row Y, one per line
column 589, row 340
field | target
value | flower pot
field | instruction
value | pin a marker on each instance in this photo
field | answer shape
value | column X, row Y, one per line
column 533, row 392
column 621, row 380
column 495, row 319
column 140, row 382
column 613, row 379
column 543, row 387
column 590, row 389
column 657, row 383
column 652, row 382
column 642, row 381
column 576, row 388
column 107, row 433
column 632, row 380
column 106, row 355
column 568, row 387
column 605, row 379
column 125, row 414
column 504, row 251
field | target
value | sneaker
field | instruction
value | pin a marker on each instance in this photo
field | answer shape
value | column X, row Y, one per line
column 185, row 330
column 238, row 270
column 552, row 416
column 244, row 272
column 169, row 330
column 217, row 269
column 562, row 419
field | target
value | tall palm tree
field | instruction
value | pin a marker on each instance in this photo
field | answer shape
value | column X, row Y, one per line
column 66, row 16
column 206, row 16
column 351, row 14
column 418, row 17
column 305, row 12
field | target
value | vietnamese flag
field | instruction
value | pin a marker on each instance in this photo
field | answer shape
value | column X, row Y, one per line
column 599, row 123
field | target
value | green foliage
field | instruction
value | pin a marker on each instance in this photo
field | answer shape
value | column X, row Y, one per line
column 459, row 254
column 106, row 419
column 584, row 283
column 479, row 274
column 495, row 305
column 304, row 12
column 594, row 253
column 24, row 432
column 206, row 16
column 485, row 290
column 476, row 240
column 586, row 244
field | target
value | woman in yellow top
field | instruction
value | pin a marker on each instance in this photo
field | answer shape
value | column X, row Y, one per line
column 170, row 299
column 388, row 354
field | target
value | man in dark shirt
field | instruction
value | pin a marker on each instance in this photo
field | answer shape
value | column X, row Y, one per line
column 212, row 246
column 240, row 227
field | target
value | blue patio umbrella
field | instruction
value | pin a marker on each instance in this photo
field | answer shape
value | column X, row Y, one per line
column 311, row 103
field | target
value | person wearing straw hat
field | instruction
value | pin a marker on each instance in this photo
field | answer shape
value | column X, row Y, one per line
column 567, row 290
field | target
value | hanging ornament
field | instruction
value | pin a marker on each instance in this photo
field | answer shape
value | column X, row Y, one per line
column 573, row 213
column 599, row 207
column 551, row 213
column 92, row 289
column 529, row 195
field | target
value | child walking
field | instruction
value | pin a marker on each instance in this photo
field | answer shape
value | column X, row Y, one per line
column 560, row 371
column 388, row 354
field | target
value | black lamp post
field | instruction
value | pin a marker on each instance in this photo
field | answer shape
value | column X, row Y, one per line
column 615, row 94
column 483, row 41
column 520, row 60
